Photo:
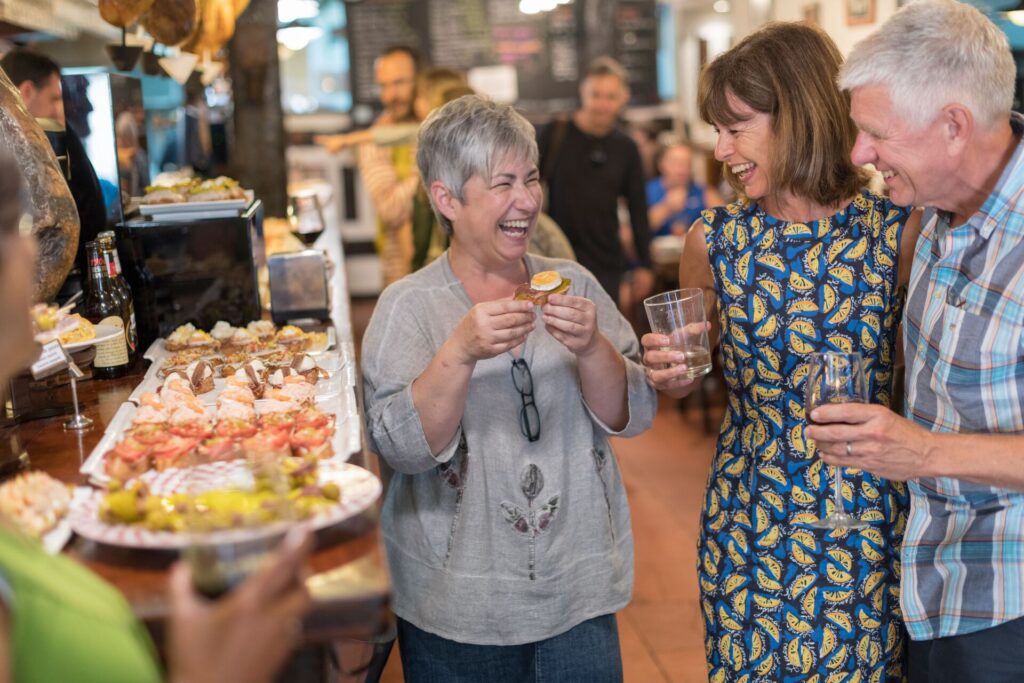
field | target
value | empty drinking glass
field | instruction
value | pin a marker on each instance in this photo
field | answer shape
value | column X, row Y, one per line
column 679, row 315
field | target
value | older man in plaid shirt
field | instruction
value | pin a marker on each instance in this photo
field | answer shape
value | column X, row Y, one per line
column 931, row 93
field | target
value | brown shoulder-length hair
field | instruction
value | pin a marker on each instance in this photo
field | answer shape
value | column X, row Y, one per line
column 788, row 71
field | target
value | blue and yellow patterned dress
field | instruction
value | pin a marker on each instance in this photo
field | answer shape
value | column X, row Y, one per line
column 783, row 601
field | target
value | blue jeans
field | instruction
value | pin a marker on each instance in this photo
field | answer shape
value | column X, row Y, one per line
column 587, row 653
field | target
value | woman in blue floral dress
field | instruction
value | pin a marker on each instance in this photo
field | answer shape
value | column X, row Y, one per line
column 806, row 260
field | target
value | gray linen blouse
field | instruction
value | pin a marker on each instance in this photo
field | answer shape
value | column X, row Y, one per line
column 497, row 540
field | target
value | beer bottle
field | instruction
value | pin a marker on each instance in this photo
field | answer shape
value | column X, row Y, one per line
column 108, row 249
column 102, row 306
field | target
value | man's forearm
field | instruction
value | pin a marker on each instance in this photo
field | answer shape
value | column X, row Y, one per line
column 990, row 459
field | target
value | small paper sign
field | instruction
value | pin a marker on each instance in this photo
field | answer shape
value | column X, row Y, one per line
column 53, row 358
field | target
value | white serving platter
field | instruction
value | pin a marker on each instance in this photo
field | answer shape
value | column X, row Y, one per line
column 158, row 352
column 103, row 333
column 359, row 489
column 190, row 211
column 326, row 388
column 347, row 437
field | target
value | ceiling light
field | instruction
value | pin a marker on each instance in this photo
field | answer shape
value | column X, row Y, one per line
column 1015, row 15
column 293, row 10
column 296, row 37
column 721, row 6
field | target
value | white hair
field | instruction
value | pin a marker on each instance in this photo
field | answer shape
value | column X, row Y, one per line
column 933, row 53
column 466, row 137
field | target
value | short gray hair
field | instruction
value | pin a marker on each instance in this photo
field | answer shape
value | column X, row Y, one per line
column 932, row 53
column 466, row 137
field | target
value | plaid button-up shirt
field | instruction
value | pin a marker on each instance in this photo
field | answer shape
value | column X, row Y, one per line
column 963, row 552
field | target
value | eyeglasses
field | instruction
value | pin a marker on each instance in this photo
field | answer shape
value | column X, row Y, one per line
column 529, row 416
column 598, row 156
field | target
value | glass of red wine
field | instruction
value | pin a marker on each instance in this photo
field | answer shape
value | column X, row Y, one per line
column 306, row 217
column 836, row 378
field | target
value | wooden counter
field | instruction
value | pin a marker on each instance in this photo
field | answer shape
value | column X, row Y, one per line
column 349, row 584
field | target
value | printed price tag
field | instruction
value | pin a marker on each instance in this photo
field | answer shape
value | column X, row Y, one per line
column 53, row 358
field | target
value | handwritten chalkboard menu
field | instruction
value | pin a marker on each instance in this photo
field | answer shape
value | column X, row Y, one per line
column 548, row 51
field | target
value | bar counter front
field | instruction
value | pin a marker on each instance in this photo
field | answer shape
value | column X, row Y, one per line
column 349, row 582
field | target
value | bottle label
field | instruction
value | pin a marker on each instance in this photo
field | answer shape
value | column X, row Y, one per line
column 113, row 352
column 97, row 268
column 111, row 266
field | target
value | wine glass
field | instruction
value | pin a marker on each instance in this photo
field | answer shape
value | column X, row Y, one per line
column 836, row 378
column 306, row 217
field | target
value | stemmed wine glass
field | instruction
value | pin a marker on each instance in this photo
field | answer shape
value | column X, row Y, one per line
column 306, row 217
column 836, row 378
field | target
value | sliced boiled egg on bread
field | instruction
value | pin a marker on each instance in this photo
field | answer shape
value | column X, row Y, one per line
column 546, row 280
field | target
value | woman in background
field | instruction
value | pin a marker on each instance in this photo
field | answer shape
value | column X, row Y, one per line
column 807, row 260
column 674, row 199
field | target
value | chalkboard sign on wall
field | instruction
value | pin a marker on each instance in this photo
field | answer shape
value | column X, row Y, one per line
column 549, row 51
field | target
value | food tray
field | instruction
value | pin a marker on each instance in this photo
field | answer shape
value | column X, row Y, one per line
column 103, row 333
column 190, row 211
column 359, row 489
column 157, row 352
column 346, row 440
column 326, row 388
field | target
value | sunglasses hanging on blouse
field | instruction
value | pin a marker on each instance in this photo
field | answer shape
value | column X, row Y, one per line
column 529, row 416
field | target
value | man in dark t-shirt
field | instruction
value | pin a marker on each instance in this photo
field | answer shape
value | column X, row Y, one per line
column 588, row 165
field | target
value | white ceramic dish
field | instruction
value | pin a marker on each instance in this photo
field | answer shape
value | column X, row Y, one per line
column 326, row 388
column 157, row 351
column 359, row 489
column 190, row 211
column 346, row 441
column 103, row 333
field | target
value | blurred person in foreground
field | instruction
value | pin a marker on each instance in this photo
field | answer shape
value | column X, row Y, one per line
column 674, row 199
column 59, row 622
column 807, row 260
column 506, row 523
column 588, row 165
column 931, row 93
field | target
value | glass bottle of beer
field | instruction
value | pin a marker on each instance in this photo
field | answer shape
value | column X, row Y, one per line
column 102, row 306
column 108, row 250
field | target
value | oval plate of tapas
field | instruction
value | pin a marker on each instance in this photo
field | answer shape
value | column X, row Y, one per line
column 220, row 503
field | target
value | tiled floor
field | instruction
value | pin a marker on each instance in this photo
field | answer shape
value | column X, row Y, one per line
column 665, row 470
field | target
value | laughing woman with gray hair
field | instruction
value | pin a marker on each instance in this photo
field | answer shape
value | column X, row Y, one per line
column 506, row 521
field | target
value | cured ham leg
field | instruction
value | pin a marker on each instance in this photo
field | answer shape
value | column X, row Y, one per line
column 54, row 216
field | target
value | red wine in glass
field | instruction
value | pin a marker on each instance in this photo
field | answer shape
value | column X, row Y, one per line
column 306, row 218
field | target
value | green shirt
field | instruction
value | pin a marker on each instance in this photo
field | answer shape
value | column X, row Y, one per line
column 66, row 623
